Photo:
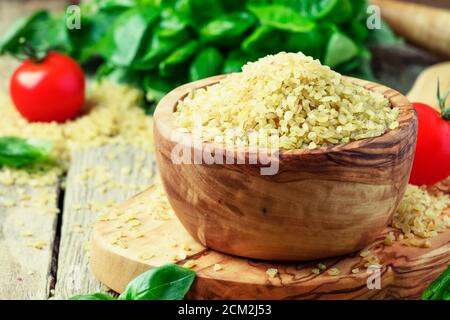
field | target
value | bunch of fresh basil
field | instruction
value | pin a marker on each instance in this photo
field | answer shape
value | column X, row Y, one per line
column 168, row 282
column 158, row 45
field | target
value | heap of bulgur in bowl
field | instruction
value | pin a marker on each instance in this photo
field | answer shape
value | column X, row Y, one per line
column 306, row 104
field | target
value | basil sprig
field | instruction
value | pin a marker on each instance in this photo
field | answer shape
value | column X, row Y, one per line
column 168, row 282
column 17, row 152
column 439, row 289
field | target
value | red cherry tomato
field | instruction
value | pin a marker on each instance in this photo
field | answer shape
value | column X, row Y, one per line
column 432, row 159
column 50, row 90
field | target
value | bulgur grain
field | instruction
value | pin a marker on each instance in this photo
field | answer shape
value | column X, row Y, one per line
column 334, row 272
column 272, row 272
column 290, row 96
column 364, row 253
column 422, row 214
column 322, row 266
column 189, row 264
column 355, row 270
column 217, row 267
column 315, row 271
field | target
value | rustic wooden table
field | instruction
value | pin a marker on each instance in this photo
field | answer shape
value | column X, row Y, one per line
column 59, row 268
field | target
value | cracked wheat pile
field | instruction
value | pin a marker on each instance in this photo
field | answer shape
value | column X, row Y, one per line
column 113, row 116
column 291, row 97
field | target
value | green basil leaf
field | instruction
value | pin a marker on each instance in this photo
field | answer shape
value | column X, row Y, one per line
column 94, row 296
column 331, row 11
column 439, row 288
column 340, row 49
column 199, row 12
column 207, row 63
column 41, row 30
column 311, row 43
column 358, row 67
column 267, row 40
column 157, row 87
column 264, row 40
column 384, row 35
column 157, row 49
column 88, row 40
column 236, row 60
column 16, row 152
column 169, row 282
column 228, row 28
column 359, row 9
column 10, row 41
column 117, row 74
column 171, row 24
column 170, row 33
column 357, row 30
column 233, row 5
column 175, row 61
column 127, row 35
column 281, row 17
column 107, row 5
column 318, row 9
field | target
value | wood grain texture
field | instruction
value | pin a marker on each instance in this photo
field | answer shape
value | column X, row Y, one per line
column 107, row 185
column 425, row 87
column 405, row 272
column 26, row 271
column 422, row 25
column 346, row 192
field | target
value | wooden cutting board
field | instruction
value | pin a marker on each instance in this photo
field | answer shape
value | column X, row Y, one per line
column 120, row 254
column 425, row 87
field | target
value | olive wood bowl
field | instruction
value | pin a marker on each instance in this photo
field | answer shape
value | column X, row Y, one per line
column 325, row 202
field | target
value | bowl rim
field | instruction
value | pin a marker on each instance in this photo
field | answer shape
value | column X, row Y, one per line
column 164, row 121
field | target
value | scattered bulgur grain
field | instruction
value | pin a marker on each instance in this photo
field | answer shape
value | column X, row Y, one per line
column 122, row 243
column 189, row 264
column 364, row 253
column 182, row 255
column 389, row 240
column 26, row 234
column 322, row 266
column 217, row 267
column 373, row 262
column 272, row 272
column 39, row 244
column 333, row 272
column 146, row 256
column 186, row 247
column 422, row 214
column 355, row 270
column 315, row 270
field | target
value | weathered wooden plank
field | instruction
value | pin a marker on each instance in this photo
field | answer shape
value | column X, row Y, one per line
column 28, row 219
column 98, row 180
